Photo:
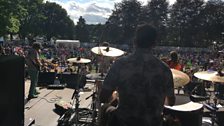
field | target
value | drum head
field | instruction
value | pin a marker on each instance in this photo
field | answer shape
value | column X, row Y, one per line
column 184, row 104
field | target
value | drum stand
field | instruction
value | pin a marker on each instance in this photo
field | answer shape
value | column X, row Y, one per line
column 212, row 107
column 93, row 107
column 73, row 115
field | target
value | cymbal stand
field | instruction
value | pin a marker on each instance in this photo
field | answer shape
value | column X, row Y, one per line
column 93, row 105
column 213, row 108
column 77, row 101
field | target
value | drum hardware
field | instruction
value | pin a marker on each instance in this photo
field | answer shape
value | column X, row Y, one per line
column 107, row 51
column 74, row 114
column 210, row 75
column 184, row 112
column 179, row 78
column 213, row 76
column 93, row 107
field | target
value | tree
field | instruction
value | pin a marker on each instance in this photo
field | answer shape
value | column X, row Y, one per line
column 124, row 20
column 213, row 18
column 10, row 13
column 33, row 23
column 58, row 24
column 185, row 21
column 156, row 12
column 82, row 34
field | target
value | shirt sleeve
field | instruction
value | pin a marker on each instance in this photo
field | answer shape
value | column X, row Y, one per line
column 112, row 78
column 170, row 85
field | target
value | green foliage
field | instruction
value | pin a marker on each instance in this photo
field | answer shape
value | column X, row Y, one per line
column 13, row 26
column 124, row 21
column 58, row 23
column 82, row 34
column 184, row 22
column 10, row 13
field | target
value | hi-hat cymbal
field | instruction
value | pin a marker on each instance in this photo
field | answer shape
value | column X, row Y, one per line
column 209, row 76
column 79, row 60
column 96, row 76
column 180, row 78
column 107, row 51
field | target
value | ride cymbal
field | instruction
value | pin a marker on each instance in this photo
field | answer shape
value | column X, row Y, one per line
column 107, row 51
column 209, row 75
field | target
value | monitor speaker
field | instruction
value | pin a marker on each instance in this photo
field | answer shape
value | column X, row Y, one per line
column 12, row 91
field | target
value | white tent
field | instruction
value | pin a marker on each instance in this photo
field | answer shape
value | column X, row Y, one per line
column 68, row 43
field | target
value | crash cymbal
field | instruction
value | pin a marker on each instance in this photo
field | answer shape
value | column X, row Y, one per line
column 107, row 51
column 209, row 75
column 79, row 60
column 96, row 76
column 180, row 78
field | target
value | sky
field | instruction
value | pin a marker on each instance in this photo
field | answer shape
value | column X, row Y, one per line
column 93, row 11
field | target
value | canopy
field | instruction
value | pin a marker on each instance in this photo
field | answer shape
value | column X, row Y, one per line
column 68, row 43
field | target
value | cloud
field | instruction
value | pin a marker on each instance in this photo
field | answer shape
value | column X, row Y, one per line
column 93, row 11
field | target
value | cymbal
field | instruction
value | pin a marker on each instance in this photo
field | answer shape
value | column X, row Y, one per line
column 180, row 78
column 96, row 76
column 107, row 51
column 209, row 76
column 79, row 60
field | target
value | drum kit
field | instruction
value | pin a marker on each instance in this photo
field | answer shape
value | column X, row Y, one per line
column 187, row 110
column 74, row 115
column 180, row 79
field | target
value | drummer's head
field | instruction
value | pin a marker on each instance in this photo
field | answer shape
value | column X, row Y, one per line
column 174, row 56
column 36, row 46
column 145, row 36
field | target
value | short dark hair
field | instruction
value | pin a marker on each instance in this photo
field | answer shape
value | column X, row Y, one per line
column 174, row 56
column 145, row 36
column 36, row 45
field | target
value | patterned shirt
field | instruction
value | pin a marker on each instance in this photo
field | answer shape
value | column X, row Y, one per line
column 142, row 81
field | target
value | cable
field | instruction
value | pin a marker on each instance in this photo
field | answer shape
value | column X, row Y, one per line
column 52, row 100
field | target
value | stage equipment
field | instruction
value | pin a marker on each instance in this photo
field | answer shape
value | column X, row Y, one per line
column 79, row 60
column 187, row 113
column 213, row 76
column 180, row 78
column 96, row 76
column 12, row 90
column 74, row 115
column 107, row 51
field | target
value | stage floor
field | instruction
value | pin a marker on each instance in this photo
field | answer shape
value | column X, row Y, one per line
column 41, row 109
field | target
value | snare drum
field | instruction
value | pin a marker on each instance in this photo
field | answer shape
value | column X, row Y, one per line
column 187, row 112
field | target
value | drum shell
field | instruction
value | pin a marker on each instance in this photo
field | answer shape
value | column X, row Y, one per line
column 186, row 118
column 190, row 118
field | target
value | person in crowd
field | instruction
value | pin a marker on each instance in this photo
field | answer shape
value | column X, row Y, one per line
column 33, row 67
column 174, row 61
column 2, row 50
column 144, row 84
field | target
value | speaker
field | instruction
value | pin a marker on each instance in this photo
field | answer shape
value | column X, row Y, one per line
column 46, row 78
column 12, row 91
column 73, row 80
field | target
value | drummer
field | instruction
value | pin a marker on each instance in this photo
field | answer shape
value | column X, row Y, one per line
column 142, row 81
column 104, row 61
column 174, row 61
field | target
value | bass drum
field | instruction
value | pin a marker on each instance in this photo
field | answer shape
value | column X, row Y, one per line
column 185, row 112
